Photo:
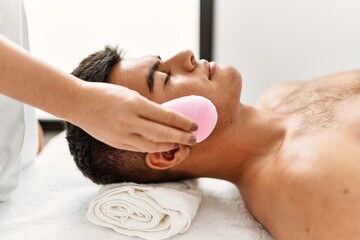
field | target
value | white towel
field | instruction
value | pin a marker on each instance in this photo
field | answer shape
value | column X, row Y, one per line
column 149, row 211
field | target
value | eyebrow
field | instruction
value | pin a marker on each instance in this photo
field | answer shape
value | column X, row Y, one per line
column 150, row 75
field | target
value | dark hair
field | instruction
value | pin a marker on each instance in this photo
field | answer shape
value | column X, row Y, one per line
column 98, row 161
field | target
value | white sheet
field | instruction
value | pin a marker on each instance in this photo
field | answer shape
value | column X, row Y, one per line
column 52, row 200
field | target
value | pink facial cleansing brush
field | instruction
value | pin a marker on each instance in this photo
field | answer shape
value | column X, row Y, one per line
column 199, row 109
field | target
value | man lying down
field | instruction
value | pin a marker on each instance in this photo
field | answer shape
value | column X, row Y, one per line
column 294, row 157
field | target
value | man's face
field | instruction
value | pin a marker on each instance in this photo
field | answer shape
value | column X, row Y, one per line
column 181, row 75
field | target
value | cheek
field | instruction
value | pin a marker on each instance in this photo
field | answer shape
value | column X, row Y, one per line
column 180, row 87
column 193, row 87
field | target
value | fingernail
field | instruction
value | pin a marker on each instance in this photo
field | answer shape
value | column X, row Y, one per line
column 176, row 145
column 194, row 127
column 192, row 140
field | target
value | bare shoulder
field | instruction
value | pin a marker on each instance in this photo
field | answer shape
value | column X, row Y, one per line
column 273, row 96
column 341, row 77
column 321, row 187
column 276, row 93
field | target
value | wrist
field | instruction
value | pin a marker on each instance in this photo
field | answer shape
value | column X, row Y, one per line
column 73, row 104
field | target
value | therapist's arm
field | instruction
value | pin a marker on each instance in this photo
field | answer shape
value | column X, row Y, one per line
column 119, row 117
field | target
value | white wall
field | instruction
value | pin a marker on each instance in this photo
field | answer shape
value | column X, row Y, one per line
column 63, row 32
column 279, row 40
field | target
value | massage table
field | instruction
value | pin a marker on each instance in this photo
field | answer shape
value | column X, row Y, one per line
column 53, row 196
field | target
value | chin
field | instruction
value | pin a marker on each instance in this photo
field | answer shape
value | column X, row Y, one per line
column 229, row 80
column 233, row 73
column 234, row 79
column 229, row 73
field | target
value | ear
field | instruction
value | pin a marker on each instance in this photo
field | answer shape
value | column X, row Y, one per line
column 165, row 160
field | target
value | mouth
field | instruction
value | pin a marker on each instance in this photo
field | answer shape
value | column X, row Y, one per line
column 207, row 69
column 212, row 68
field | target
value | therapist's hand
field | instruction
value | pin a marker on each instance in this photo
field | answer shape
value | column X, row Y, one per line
column 124, row 119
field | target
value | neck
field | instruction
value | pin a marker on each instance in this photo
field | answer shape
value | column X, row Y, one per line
column 252, row 135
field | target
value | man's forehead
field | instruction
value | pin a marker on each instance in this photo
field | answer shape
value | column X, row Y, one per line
column 134, row 67
column 132, row 72
column 139, row 62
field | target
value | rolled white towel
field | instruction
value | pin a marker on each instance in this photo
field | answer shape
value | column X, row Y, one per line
column 150, row 211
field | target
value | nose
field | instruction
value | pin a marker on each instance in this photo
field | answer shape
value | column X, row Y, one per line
column 184, row 60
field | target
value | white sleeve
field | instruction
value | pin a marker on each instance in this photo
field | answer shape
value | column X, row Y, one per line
column 12, row 131
column 18, row 125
